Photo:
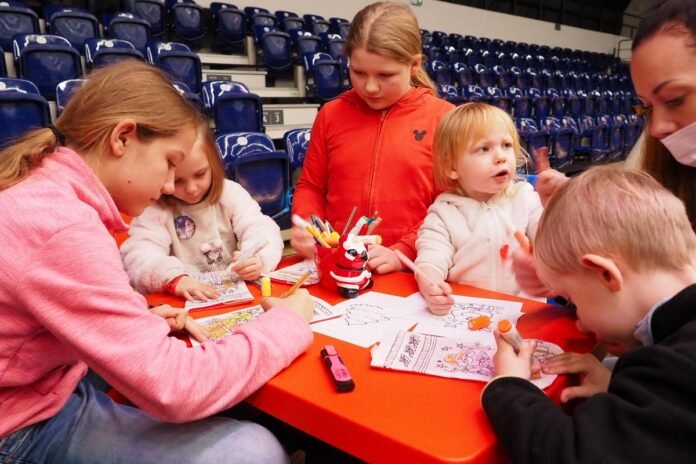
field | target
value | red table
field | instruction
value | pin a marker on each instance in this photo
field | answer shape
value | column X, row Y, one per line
column 394, row 416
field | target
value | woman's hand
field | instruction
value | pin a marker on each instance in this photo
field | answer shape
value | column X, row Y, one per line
column 300, row 302
column 302, row 242
column 594, row 377
column 249, row 269
column 193, row 289
column 382, row 260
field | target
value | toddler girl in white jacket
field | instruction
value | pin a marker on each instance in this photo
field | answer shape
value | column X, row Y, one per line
column 199, row 227
column 467, row 235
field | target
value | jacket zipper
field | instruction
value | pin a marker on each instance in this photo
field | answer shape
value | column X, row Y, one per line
column 375, row 151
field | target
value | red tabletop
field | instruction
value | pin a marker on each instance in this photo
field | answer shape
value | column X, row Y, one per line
column 394, row 416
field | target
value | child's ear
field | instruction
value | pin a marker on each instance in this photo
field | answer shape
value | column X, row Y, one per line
column 605, row 269
column 122, row 133
column 453, row 174
column 416, row 64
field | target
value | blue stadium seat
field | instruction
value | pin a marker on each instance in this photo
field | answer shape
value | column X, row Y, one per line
column 127, row 26
column 251, row 160
column 296, row 145
column 151, row 11
column 323, row 76
column 187, row 23
column 309, row 20
column 185, row 92
column 562, row 140
column 532, row 137
column 462, row 75
column 320, row 26
column 451, row 94
column 439, row 72
column 249, row 12
column 178, row 61
column 499, row 98
column 337, row 25
column 230, row 27
column 64, row 91
column 289, row 20
column 46, row 60
column 485, row 77
column 233, row 107
column 275, row 51
column 22, row 108
column 103, row 52
column 75, row 24
column 16, row 18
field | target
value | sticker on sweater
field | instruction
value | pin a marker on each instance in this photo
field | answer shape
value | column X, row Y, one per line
column 185, row 227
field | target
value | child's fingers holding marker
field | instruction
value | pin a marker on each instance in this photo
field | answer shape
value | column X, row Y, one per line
column 302, row 242
column 439, row 298
column 508, row 363
column 300, row 302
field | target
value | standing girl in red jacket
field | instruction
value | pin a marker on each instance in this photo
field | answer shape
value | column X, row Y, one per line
column 371, row 148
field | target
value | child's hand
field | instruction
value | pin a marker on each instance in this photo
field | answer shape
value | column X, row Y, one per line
column 382, row 260
column 302, row 242
column 548, row 181
column 300, row 302
column 194, row 289
column 507, row 362
column 524, row 267
column 178, row 320
column 438, row 297
column 249, row 269
column 594, row 377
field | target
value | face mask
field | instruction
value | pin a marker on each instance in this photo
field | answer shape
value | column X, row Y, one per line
column 682, row 145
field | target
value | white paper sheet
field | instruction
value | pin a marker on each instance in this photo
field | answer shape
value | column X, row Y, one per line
column 233, row 290
column 449, row 357
column 323, row 310
column 367, row 318
column 456, row 323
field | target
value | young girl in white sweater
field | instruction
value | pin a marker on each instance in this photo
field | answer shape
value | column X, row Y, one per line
column 199, row 227
column 467, row 235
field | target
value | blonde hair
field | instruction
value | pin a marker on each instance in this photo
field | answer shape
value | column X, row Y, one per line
column 677, row 178
column 618, row 213
column 458, row 130
column 127, row 90
column 206, row 142
column 389, row 29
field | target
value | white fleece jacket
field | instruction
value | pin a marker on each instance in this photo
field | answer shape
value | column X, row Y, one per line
column 462, row 237
column 188, row 239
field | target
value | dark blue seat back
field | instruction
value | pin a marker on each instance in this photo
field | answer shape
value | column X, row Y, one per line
column 185, row 92
column 212, row 90
column 188, row 22
column 103, row 52
column 126, row 26
column 178, row 61
column 151, row 11
column 324, row 79
column 15, row 19
column 75, row 24
column 46, row 60
column 276, row 50
column 296, row 145
column 22, row 108
column 64, row 91
column 250, row 160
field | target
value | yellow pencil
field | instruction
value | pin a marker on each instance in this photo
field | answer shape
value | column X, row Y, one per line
column 297, row 285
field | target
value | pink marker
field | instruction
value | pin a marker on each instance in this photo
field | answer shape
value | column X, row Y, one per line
column 339, row 372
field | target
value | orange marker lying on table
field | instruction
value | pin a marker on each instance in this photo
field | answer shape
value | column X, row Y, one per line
column 479, row 322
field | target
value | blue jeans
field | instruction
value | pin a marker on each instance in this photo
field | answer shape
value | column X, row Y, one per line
column 92, row 428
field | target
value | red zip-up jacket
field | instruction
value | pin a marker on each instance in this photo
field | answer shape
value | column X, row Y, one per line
column 375, row 160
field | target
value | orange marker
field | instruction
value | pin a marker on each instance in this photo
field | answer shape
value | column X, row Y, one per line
column 510, row 334
column 479, row 322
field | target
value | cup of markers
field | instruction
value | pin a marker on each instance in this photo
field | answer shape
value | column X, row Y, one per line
column 341, row 260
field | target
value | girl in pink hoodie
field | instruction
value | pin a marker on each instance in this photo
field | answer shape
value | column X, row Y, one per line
column 66, row 302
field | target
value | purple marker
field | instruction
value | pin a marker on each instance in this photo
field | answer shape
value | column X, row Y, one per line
column 339, row 372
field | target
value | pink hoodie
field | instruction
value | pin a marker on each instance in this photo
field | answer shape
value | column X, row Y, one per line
column 65, row 303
